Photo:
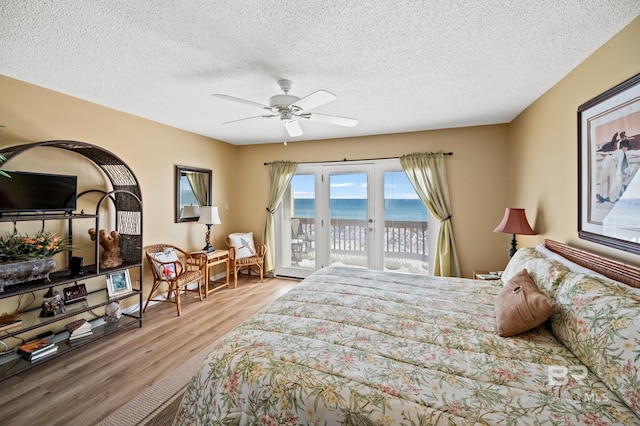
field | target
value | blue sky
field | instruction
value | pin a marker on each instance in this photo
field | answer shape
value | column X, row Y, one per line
column 397, row 186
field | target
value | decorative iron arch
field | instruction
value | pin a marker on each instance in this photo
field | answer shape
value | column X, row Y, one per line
column 124, row 182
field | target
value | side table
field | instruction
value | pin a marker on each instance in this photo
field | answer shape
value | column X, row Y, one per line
column 216, row 257
column 485, row 275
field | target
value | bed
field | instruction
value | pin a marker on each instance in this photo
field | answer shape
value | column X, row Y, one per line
column 361, row 347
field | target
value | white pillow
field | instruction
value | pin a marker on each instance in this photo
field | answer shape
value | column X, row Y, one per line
column 573, row 267
column 166, row 271
column 243, row 244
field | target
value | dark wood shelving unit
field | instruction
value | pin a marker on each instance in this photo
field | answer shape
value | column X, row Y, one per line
column 29, row 217
column 127, row 201
column 12, row 363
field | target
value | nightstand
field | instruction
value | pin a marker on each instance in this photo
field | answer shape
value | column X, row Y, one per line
column 215, row 258
column 485, row 275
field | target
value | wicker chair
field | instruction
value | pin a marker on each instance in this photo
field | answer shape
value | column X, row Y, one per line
column 178, row 272
column 237, row 263
column 301, row 242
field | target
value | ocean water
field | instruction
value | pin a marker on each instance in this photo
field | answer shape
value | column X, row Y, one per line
column 355, row 208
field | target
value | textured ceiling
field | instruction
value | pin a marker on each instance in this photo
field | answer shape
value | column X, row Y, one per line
column 396, row 66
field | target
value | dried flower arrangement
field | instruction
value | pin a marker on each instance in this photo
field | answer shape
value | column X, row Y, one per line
column 23, row 247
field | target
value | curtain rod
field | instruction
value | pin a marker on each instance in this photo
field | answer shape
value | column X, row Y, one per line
column 344, row 159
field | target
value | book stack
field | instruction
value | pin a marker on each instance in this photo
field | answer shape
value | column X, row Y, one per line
column 79, row 330
column 37, row 349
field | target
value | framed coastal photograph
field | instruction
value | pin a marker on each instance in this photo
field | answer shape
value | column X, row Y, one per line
column 118, row 283
column 608, row 163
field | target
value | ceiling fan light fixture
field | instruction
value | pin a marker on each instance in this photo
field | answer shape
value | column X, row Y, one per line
column 286, row 117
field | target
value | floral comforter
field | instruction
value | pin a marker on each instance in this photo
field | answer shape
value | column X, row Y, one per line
column 360, row 347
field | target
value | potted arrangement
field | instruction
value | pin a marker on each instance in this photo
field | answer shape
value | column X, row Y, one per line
column 26, row 258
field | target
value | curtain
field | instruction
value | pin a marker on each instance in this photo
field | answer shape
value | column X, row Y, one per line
column 280, row 174
column 428, row 175
column 199, row 183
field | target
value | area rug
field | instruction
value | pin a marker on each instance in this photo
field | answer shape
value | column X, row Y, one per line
column 158, row 405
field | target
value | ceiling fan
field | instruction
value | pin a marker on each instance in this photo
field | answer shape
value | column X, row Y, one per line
column 289, row 108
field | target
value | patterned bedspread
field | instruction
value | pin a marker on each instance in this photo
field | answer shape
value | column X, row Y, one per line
column 360, row 347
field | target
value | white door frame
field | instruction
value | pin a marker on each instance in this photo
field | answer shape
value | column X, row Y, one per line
column 323, row 216
column 375, row 186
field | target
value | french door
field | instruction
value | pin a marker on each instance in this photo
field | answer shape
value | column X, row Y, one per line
column 347, row 222
column 352, row 214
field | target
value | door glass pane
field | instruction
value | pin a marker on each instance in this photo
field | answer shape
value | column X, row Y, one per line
column 348, row 213
column 406, row 240
column 301, row 222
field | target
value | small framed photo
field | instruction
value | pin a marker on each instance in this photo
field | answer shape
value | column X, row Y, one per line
column 608, row 164
column 118, row 283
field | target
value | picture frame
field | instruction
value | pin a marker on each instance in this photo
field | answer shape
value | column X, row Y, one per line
column 608, row 164
column 118, row 283
column 74, row 294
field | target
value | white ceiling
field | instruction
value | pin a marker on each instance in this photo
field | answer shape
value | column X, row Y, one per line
column 396, row 66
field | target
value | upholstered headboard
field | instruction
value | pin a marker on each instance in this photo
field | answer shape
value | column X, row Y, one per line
column 614, row 269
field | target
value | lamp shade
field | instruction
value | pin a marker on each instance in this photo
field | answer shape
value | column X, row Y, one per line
column 191, row 211
column 209, row 216
column 515, row 222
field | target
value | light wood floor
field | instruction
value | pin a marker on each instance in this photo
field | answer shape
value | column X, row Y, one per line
column 86, row 385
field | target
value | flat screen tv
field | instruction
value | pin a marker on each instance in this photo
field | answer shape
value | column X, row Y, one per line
column 38, row 192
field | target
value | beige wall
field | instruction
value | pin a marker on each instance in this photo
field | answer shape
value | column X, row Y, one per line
column 476, row 173
column 543, row 144
column 151, row 150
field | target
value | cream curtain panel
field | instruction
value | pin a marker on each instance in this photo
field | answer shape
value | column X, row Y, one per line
column 280, row 173
column 199, row 183
column 428, row 174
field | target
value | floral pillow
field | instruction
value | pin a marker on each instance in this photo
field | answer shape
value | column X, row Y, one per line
column 545, row 272
column 598, row 319
column 243, row 243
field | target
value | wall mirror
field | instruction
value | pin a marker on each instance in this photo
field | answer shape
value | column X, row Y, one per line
column 193, row 190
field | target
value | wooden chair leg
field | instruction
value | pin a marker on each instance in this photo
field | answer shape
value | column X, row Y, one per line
column 153, row 290
column 200, row 285
column 146, row 304
column 235, row 277
column 177, row 291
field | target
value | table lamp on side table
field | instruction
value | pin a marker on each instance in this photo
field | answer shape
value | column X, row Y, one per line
column 209, row 216
column 514, row 222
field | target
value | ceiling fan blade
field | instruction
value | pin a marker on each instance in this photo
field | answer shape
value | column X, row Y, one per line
column 315, row 99
column 331, row 119
column 242, row 101
column 293, row 128
column 250, row 118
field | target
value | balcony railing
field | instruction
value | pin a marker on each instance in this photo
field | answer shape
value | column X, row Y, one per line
column 406, row 238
